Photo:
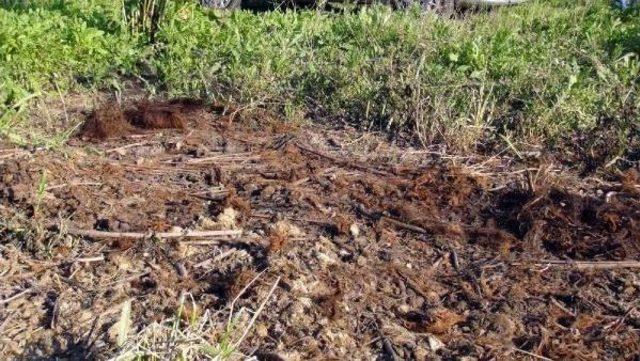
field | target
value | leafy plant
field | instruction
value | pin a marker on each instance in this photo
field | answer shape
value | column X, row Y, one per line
column 532, row 73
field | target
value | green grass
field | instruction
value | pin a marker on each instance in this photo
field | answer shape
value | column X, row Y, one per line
column 528, row 74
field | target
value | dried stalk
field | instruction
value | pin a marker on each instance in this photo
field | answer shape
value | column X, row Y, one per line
column 161, row 235
column 583, row 264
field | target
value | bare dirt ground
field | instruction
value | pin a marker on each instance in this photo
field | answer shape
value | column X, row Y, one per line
column 342, row 245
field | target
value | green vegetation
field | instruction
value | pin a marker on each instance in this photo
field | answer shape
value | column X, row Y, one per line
column 525, row 74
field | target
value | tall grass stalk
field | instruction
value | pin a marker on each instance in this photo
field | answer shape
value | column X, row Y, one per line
column 144, row 16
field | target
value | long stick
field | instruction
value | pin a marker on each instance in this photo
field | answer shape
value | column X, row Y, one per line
column 344, row 163
column 16, row 296
column 139, row 235
column 583, row 264
column 256, row 314
column 534, row 355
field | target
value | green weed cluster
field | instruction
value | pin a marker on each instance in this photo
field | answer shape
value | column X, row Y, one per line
column 526, row 73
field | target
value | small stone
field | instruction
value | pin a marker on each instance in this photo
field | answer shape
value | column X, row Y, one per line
column 325, row 259
column 262, row 331
column 176, row 229
column 182, row 270
column 192, row 178
column 267, row 192
column 355, row 231
column 420, row 353
column 345, row 255
column 434, row 343
column 177, row 145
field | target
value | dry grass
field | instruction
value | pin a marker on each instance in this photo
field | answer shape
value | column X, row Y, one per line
column 190, row 335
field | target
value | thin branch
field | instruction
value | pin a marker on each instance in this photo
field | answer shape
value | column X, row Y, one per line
column 15, row 153
column 217, row 258
column 583, row 264
column 161, row 235
column 16, row 296
column 224, row 158
column 256, row 314
column 407, row 226
column 125, row 147
column 233, row 303
column 90, row 259
column 50, row 188
column 539, row 357
column 344, row 163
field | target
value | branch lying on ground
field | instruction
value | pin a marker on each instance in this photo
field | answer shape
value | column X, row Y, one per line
column 343, row 162
column 582, row 264
column 162, row 235
column 256, row 314
column 16, row 296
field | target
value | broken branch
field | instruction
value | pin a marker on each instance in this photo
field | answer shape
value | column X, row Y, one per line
column 583, row 264
column 90, row 233
column 342, row 162
column 16, row 296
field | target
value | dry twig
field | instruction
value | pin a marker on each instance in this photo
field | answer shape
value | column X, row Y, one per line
column 342, row 162
column 539, row 357
column 583, row 264
column 50, row 188
column 16, row 296
column 161, row 235
column 125, row 147
column 256, row 314
column 224, row 158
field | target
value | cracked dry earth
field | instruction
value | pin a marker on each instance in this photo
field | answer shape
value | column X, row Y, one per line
column 371, row 251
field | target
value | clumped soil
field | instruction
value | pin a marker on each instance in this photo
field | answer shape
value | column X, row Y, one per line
column 381, row 252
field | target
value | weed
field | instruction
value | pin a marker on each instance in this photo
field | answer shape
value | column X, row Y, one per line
column 174, row 338
column 530, row 73
column 189, row 335
column 40, row 193
column 144, row 16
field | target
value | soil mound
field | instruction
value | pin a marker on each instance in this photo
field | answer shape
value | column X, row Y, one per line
column 112, row 120
column 106, row 122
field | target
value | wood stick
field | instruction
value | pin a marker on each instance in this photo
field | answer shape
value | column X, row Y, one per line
column 257, row 313
column 125, row 147
column 534, row 355
column 16, row 296
column 13, row 154
column 90, row 259
column 343, row 162
column 217, row 258
column 562, row 307
column 223, row 158
column 583, row 264
column 50, row 188
column 127, row 279
column 162, row 235
column 208, row 242
column 406, row 226
column 412, row 284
